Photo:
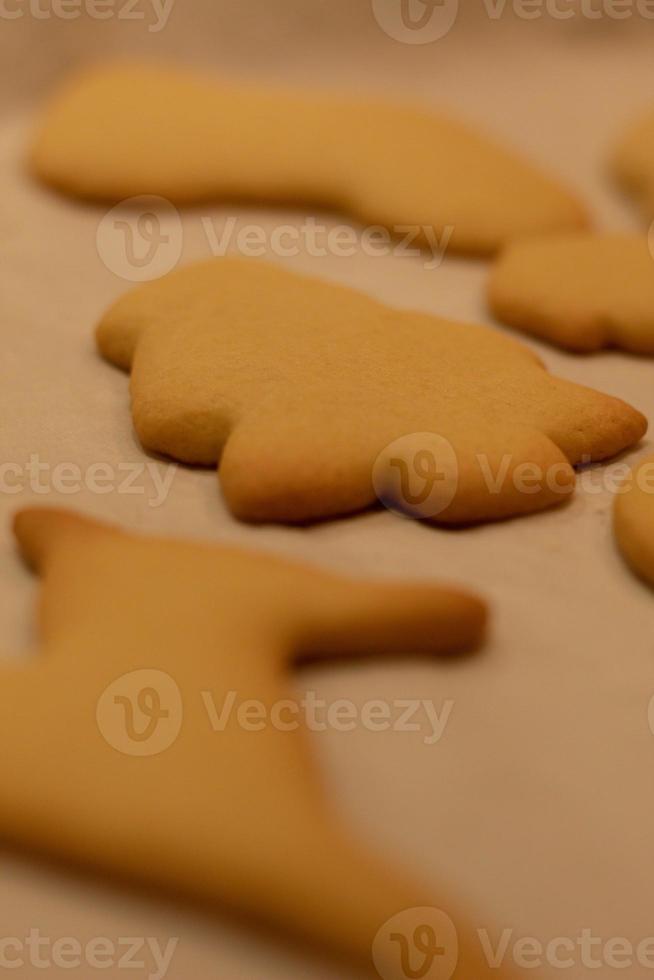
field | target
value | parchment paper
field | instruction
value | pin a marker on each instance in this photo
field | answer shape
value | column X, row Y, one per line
column 537, row 802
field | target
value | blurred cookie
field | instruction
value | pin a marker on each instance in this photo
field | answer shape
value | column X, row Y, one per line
column 117, row 132
column 317, row 401
column 633, row 163
column 157, row 736
column 634, row 519
column 580, row 291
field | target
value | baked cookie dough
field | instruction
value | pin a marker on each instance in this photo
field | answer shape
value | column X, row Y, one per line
column 632, row 163
column 580, row 291
column 317, row 401
column 117, row 132
column 633, row 518
column 121, row 752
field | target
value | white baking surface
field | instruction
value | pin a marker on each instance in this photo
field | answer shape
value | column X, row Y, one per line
column 537, row 803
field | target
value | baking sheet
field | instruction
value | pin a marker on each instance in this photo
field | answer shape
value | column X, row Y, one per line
column 537, row 802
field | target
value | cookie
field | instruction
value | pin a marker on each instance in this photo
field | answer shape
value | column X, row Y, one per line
column 580, row 291
column 318, row 401
column 633, row 518
column 119, row 132
column 118, row 755
column 632, row 163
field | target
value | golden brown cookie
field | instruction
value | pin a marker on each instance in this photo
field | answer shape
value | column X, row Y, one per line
column 118, row 755
column 634, row 519
column 632, row 163
column 318, row 401
column 580, row 291
column 117, row 132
